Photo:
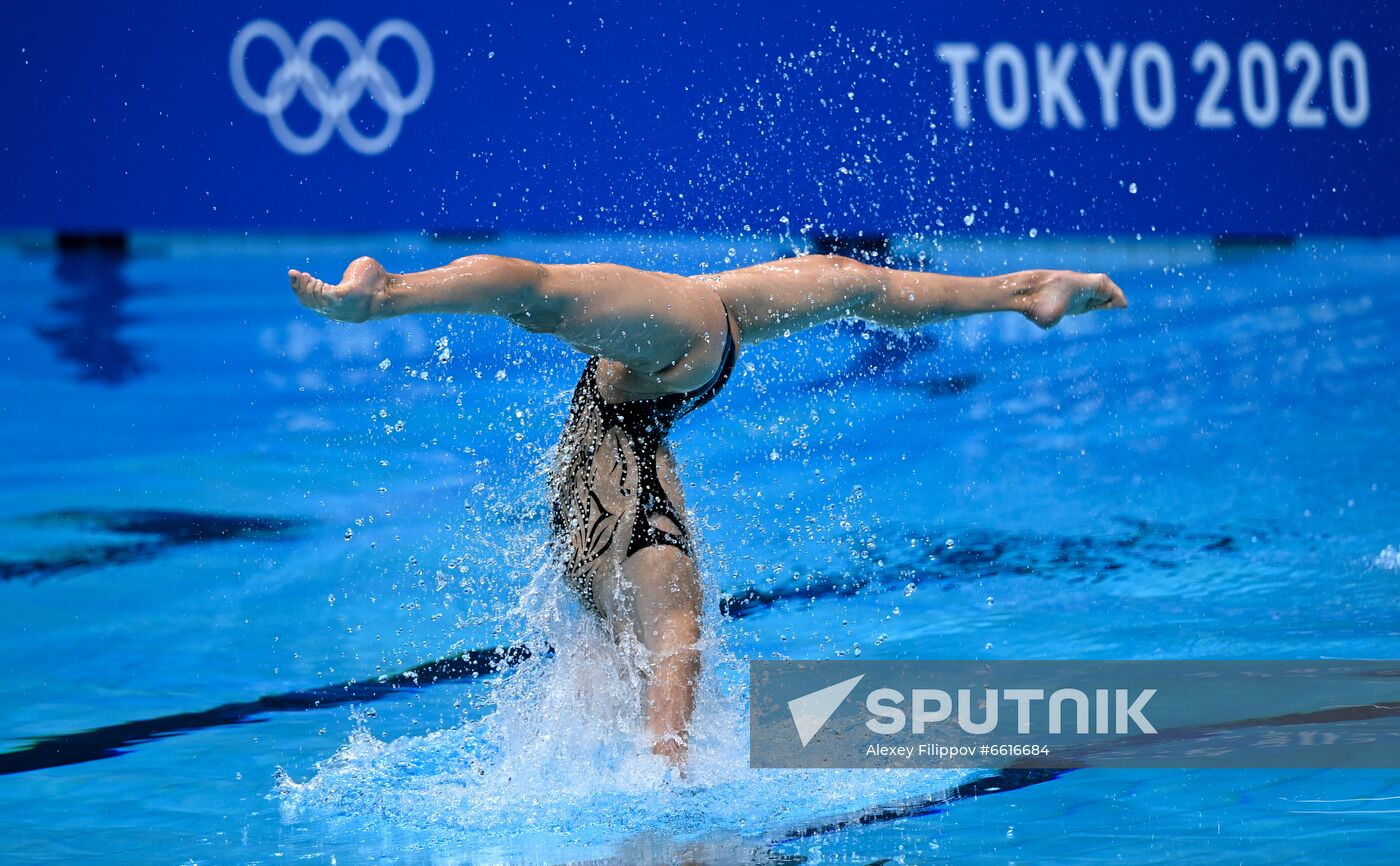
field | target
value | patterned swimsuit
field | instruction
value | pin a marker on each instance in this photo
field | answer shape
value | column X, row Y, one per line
column 614, row 445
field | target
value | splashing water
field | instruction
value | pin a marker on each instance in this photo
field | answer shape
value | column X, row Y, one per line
column 562, row 764
column 1388, row 559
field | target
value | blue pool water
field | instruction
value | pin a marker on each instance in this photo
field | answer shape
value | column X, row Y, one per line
column 218, row 508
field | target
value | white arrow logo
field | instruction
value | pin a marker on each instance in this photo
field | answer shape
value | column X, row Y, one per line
column 811, row 711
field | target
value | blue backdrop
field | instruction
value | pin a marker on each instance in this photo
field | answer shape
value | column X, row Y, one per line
column 979, row 117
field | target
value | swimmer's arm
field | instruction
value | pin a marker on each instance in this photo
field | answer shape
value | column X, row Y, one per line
column 786, row 296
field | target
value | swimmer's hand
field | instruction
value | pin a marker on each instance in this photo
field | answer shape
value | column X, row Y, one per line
column 1049, row 296
column 362, row 293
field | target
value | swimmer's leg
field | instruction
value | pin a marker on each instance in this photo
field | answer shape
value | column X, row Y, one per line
column 653, row 597
column 665, row 330
column 661, row 607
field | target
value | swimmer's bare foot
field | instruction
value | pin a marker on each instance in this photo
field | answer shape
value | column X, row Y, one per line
column 1052, row 295
column 361, row 294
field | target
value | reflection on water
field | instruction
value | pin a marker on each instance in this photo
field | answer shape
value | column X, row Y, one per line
column 88, row 315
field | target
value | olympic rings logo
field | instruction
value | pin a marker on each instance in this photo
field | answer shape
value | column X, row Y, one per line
column 363, row 72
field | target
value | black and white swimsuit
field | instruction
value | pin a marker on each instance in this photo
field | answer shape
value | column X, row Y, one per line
column 606, row 488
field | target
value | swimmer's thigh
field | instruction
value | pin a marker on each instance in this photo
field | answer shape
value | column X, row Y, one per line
column 655, row 594
column 661, row 594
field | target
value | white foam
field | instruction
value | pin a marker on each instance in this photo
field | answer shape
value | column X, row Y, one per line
column 561, row 763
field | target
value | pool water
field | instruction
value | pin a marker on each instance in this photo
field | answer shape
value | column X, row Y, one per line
column 228, row 528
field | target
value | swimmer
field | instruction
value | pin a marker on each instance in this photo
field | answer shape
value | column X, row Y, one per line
column 661, row 345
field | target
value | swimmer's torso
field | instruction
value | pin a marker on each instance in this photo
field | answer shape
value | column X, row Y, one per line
column 614, row 486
